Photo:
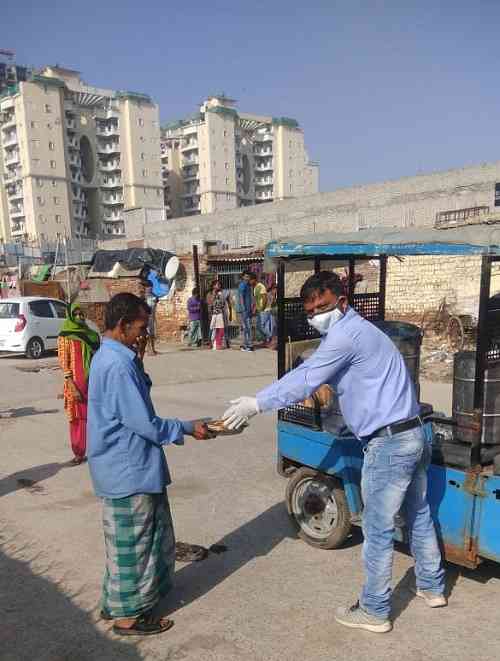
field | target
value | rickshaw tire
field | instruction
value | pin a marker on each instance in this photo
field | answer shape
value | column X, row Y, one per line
column 341, row 532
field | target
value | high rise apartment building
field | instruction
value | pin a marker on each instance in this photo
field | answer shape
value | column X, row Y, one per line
column 73, row 157
column 221, row 159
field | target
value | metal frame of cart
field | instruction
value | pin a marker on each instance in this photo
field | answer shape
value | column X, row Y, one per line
column 323, row 492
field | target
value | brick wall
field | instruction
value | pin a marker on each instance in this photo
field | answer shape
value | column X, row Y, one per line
column 171, row 314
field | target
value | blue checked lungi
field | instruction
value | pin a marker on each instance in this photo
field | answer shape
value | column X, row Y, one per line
column 140, row 553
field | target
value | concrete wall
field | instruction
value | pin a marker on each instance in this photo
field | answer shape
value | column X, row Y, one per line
column 413, row 201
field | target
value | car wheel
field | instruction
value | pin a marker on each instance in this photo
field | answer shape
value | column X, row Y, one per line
column 318, row 506
column 35, row 348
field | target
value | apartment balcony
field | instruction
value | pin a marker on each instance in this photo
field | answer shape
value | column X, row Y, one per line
column 191, row 176
column 9, row 120
column 190, row 146
column 264, row 181
column 82, row 229
column 262, row 151
column 193, row 160
column 112, row 200
column 78, row 194
column 15, row 192
column 76, row 176
column 12, row 174
column 16, row 212
column 17, row 229
column 10, row 139
column 191, row 192
column 80, row 211
column 264, row 167
column 75, row 159
column 70, row 123
column 110, row 166
column 111, row 182
column 263, row 137
column 192, row 203
column 108, row 130
column 73, row 142
column 113, row 215
column 264, row 195
column 11, row 157
column 108, row 147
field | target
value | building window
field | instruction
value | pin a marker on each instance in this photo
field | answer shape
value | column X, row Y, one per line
column 53, row 165
column 225, row 133
column 142, row 156
column 58, row 218
column 140, row 121
column 40, row 200
column 226, row 165
column 36, row 162
column 49, row 126
column 497, row 195
column 48, row 108
column 57, row 200
column 145, row 191
column 54, row 183
column 39, row 183
column 290, row 174
column 51, row 146
column 290, row 188
column 227, row 180
column 145, row 173
column 33, row 125
column 35, row 144
column 42, row 218
column 228, row 196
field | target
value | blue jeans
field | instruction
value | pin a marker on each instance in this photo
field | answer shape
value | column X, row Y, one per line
column 246, row 327
column 394, row 478
column 264, row 325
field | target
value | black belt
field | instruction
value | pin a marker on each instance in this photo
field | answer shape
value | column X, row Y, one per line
column 395, row 428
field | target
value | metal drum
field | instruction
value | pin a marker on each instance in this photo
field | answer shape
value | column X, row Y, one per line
column 408, row 339
column 464, row 369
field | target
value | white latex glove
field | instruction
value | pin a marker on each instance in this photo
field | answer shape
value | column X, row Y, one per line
column 240, row 411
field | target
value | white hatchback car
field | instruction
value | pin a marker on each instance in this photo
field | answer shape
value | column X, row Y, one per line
column 30, row 324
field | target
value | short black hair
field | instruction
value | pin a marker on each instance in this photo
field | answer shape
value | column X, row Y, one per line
column 195, row 292
column 319, row 283
column 124, row 307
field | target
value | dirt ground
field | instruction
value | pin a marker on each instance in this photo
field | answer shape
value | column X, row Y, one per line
column 268, row 597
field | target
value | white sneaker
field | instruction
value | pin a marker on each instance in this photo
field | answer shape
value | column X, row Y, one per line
column 432, row 599
column 356, row 618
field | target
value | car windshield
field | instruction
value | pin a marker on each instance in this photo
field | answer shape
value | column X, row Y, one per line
column 9, row 310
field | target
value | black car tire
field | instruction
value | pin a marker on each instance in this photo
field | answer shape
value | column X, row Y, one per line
column 35, row 348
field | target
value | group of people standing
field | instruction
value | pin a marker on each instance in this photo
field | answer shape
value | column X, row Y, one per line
column 253, row 300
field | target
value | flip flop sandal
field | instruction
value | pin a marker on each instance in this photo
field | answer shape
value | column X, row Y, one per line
column 189, row 552
column 146, row 625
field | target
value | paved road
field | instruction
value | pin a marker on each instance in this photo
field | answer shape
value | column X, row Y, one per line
column 268, row 597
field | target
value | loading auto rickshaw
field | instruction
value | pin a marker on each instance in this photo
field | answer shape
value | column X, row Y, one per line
column 323, row 462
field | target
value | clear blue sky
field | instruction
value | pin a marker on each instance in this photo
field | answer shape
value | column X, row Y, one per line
column 382, row 88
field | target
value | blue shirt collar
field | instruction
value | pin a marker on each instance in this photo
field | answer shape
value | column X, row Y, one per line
column 109, row 343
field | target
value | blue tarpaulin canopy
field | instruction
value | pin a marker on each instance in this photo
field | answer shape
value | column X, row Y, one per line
column 471, row 240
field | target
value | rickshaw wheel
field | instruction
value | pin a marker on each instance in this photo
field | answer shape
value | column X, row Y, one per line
column 456, row 334
column 318, row 506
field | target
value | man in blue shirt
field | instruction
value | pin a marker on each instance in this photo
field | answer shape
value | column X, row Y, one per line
column 130, row 473
column 245, row 308
column 378, row 403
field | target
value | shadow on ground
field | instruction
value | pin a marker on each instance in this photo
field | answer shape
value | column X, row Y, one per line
column 29, row 479
column 40, row 622
column 24, row 411
column 254, row 539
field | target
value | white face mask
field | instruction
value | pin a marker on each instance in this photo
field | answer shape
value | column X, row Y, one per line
column 323, row 322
